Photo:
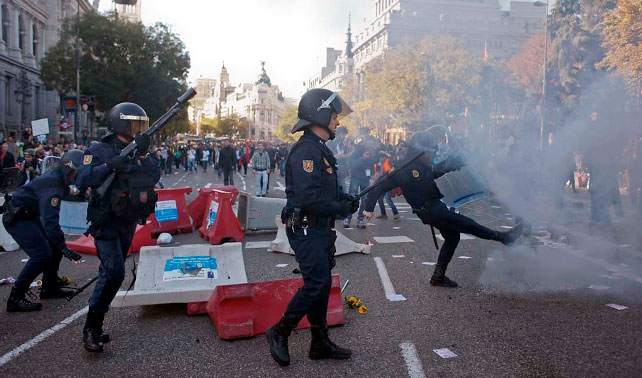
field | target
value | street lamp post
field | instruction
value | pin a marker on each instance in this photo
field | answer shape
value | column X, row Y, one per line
column 77, row 117
column 543, row 104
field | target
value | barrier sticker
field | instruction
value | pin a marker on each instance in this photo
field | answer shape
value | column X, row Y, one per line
column 190, row 268
column 166, row 211
column 211, row 215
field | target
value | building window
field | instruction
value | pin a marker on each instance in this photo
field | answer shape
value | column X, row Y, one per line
column 7, row 94
column 21, row 33
column 5, row 24
column 34, row 35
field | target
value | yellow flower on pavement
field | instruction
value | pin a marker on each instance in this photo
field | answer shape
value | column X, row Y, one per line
column 363, row 310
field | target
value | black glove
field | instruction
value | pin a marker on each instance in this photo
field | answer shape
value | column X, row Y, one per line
column 71, row 254
column 142, row 143
column 345, row 208
column 354, row 203
column 118, row 163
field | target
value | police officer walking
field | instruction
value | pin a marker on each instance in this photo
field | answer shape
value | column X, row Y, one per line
column 32, row 218
column 114, row 215
column 314, row 201
column 418, row 185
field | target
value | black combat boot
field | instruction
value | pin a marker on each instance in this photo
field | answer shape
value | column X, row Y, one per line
column 92, row 334
column 51, row 288
column 509, row 237
column 439, row 277
column 18, row 302
column 322, row 347
column 277, row 337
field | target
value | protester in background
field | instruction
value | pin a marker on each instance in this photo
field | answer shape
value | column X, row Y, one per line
column 342, row 153
column 8, row 159
column 381, row 169
column 227, row 162
column 205, row 159
column 260, row 164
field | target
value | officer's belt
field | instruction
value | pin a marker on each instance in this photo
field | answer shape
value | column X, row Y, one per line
column 320, row 222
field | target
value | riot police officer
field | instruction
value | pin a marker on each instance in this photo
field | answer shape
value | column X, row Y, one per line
column 114, row 215
column 31, row 217
column 418, row 185
column 314, row 200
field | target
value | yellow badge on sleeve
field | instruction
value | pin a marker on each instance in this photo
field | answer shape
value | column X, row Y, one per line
column 308, row 165
column 55, row 201
column 87, row 160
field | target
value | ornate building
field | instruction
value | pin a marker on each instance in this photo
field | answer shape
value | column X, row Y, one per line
column 204, row 90
column 261, row 103
column 339, row 67
column 130, row 12
column 29, row 29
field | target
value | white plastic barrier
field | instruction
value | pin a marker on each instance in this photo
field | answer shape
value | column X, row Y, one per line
column 256, row 213
column 6, row 241
column 73, row 217
column 183, row 274
column 343, row 244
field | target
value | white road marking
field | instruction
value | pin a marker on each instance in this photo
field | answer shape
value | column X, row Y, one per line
column 280, row 186
column 461, row 236
column 413, row 363
column 393, row 239
column 388, row 289
column 257, row 244
column 179, row 180
column 242, row 181
column 33, row 342
column 208, row 185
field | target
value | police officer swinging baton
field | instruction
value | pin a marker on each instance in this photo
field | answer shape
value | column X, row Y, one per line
column 159, row 124
column 389, row 174
column 131, row 148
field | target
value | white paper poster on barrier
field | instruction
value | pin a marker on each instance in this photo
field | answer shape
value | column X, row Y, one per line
column 190, row 268
column 166, row 211
column 211, row 215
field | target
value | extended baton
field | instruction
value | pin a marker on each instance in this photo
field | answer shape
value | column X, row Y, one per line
column 159, row 124
column 390, row 173
column 81, row 289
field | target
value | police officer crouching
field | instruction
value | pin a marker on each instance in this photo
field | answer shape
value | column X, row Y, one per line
column 314, row 201
column 130, row 199
column 31, row 217
column 419, row 188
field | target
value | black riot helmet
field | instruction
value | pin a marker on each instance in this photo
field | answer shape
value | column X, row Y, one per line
column 69, row 164
column 316, row 107
column 127, row 119
column 423, row 141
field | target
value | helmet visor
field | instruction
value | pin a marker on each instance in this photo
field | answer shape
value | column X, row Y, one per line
column 135, row 124
column 336, row 103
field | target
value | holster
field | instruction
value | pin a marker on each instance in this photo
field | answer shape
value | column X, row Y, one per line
column 10, row 214
column 292, row 218
column 97, row 214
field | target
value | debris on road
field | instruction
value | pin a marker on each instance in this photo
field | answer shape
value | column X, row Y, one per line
column 444, row 353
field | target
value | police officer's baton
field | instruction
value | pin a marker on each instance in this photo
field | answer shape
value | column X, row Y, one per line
column 159, row 124
column 390, row 173
column 81, row 289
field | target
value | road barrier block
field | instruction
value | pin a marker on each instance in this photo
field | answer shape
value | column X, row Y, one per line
column 73, row 217
column 343, row 244
column 246, row 310
column 219, row 222
column 142, row 238
column 197, row 207
column 171, row 214
column 188, row 273
column 256, row 213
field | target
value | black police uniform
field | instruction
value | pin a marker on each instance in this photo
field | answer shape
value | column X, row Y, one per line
column 312, row 190
column 112, row 238
column 418, row 185
column 32, row 218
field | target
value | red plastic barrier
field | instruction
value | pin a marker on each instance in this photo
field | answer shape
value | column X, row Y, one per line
column 195, row 208
column 219, row 222
column 183, row 222
column 142, row 238
column 246, row 310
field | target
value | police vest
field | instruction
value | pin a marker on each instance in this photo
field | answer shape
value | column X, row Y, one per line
column 132, row 196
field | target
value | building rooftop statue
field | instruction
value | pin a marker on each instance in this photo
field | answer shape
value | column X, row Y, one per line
column 263, row 77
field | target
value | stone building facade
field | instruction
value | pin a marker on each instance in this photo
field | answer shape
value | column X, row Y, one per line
column 29, row 29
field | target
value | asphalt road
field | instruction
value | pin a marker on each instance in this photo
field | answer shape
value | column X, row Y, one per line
column 554, row 327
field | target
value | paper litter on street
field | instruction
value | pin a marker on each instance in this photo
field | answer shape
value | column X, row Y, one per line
column 396, row 298
column 413, row 219
column 370, row 224
column 281, row 265
column 496, row 207
column 464, row 257
column 428, row 263
column 24, row 260
column 598, row 287
column 396, row 228
column 444, row 353
column 398, row 256
column 505, row 226
column 617, row 306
